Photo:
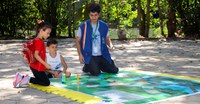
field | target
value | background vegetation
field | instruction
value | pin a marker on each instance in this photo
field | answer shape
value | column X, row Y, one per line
column 135, row 18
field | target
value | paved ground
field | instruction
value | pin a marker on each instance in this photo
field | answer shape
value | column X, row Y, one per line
column 173, row 57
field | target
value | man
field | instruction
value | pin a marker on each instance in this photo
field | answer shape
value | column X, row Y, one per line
column 91, row 42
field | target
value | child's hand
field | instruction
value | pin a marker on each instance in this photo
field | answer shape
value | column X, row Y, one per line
column 68, row 74
column 56, row 74
column 48, row 66
column 64, row 70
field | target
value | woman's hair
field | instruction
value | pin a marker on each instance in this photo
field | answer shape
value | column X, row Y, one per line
column 42, row 25
column 51, row 41
column 94, row 8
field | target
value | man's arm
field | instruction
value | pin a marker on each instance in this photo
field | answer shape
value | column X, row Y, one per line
column 109, row 42
column 81, row 59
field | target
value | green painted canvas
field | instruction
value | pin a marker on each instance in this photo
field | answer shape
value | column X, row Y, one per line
column 129, row 87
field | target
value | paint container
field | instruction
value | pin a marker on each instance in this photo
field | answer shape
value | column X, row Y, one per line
column 77, row 79
column 63, row 79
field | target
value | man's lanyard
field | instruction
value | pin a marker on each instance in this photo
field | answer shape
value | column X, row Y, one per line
column 93, row 34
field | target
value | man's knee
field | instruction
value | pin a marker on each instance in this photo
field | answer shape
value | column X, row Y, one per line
column 96, row 73
column 115, row 71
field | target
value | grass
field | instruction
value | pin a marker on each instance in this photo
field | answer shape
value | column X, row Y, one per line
column 130, row 33
column 134, row 33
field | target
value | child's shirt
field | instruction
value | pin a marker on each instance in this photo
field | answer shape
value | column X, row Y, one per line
column 41, row 48
column 55, row 63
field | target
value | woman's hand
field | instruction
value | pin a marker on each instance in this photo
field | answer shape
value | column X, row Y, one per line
column 48, row 66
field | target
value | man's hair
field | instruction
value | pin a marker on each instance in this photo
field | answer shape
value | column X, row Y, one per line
column 94, row 8
column 51, row 41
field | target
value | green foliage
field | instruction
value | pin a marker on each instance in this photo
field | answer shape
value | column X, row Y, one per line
column 17, row 15
column 120, row 13
column 18, row 18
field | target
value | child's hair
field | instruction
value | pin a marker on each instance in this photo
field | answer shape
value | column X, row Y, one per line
column 94, row 8
column 42, row 25
column 51, row 41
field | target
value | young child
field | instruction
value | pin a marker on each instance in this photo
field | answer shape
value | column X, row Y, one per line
column 39, row 67
column 56, row 61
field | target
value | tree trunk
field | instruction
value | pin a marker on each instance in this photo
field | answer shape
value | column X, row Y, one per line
column 53, row 18
column 69, row 19
column 2, row 32
column 161, row 18
column 183, row 21
column 47, row 16
column 146, row 35
column 74, row 20
column 141, row 19
column 171, row 23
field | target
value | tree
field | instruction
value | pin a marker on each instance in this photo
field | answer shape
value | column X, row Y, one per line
column 171, row 23
column 69, row 18
column 16, row 16
column 189, row 13
column 161, row 18
column 142, row 20
column 19, row 17
column 52, row 18
column 146, row 34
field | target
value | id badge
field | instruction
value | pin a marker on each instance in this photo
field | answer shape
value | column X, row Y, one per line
column 95, row 46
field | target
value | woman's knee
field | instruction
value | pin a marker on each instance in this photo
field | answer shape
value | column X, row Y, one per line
column 47, row 83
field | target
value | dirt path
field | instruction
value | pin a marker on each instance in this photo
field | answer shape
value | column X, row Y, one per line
column 175, row 57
